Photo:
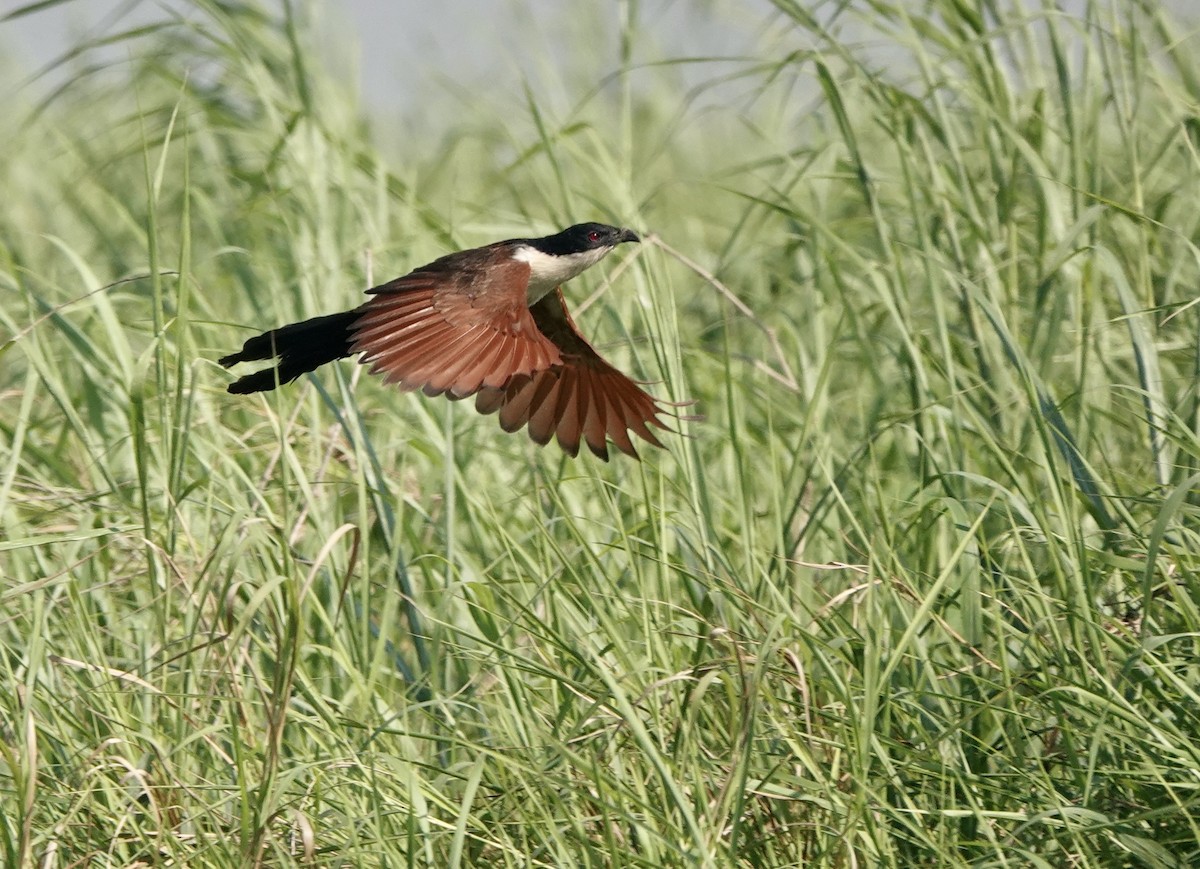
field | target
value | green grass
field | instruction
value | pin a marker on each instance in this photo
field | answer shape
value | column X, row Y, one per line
column 922, row 588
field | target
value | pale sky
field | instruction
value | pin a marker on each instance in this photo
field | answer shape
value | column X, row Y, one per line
column 391, row 46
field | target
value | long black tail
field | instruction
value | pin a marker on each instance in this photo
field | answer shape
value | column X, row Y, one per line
column 300, row 347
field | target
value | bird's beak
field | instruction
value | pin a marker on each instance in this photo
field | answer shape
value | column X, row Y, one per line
column 627, row 235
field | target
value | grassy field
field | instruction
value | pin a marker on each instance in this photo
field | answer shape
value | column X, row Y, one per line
column 922, row 588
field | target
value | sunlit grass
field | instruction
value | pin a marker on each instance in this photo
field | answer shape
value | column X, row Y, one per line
column 920, row 589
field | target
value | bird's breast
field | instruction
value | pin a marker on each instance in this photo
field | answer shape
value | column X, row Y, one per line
column 538, row 291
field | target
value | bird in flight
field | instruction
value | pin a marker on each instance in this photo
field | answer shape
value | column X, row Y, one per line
column 489, row 322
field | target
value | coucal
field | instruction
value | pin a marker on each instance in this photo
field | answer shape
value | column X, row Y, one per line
column 489, row 322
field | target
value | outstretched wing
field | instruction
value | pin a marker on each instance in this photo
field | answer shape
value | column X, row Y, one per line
column 457, row 325
column 577, row 397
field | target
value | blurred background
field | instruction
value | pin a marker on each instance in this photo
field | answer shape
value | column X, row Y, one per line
column 920, row 587
column 391, row 53
column 389, row 50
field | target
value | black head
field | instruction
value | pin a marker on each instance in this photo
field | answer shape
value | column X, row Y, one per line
column 583, row 237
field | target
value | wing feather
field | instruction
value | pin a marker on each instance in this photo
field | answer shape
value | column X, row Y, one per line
column 455, row 325
column 462, row 326
column 581, row 396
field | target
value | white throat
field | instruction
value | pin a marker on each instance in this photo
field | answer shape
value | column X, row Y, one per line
column 547, row 272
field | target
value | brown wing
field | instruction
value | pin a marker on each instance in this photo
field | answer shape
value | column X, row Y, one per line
column 457, row 325
column 580, row 397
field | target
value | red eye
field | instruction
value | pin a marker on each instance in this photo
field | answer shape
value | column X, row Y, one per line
column 593, row 236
